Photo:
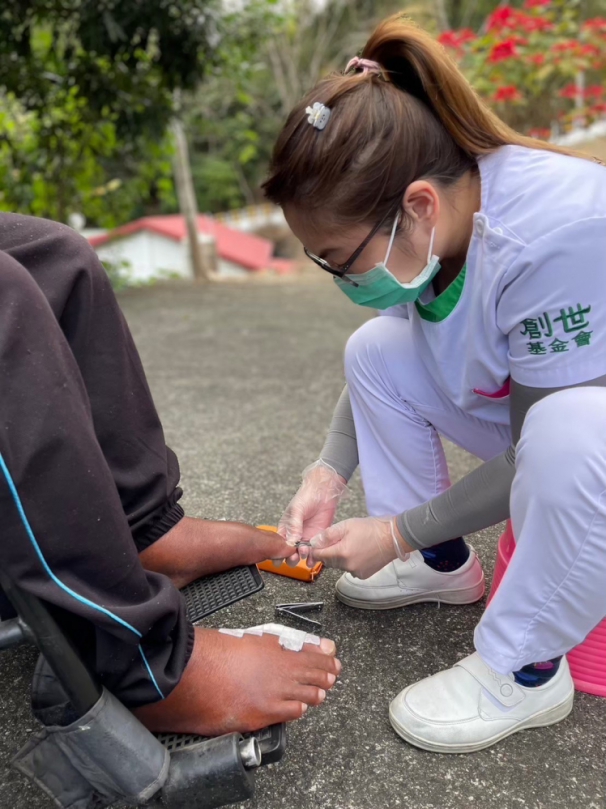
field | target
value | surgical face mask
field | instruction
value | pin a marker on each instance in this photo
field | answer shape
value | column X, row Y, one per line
column 379, row 289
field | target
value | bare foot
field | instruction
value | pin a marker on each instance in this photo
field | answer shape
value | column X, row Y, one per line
column 195, row 548
column 243, row 684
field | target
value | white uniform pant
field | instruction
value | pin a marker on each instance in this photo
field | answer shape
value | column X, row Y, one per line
column 554, row 591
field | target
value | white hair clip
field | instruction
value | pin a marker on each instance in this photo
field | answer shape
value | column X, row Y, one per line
column 318, row 115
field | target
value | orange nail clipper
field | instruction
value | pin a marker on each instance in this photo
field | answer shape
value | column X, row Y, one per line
column 300, row 571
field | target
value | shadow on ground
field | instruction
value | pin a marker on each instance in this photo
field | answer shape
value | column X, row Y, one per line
column 245, row 378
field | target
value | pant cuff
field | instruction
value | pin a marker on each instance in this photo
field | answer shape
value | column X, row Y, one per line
column 498, row 662
column 172, row 514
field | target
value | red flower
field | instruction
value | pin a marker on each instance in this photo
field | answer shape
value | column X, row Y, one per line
column 503, row 50
column 598, row 108
column 536, row 3
column 573, row 92
column 566, row 47
column 538, row 59
column 506, row 17
column 507, row 93
column 502, row 17
column 535, row 24
column 595, row 24
column 466, row 35
column 589, row 50
column 449, row 39
column 570, row 91
column 456, row 39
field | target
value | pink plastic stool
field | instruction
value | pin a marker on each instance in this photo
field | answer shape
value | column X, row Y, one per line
column 588, row 660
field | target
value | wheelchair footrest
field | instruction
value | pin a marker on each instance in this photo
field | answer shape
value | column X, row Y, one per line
column 272, row 742
column 211, row 593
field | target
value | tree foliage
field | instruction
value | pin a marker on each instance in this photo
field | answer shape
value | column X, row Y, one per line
column 87, row 87
column 234, row 117
column 86, row 92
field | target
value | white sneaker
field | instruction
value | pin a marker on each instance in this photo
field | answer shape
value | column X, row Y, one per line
column 470, row 707
column 410, row 582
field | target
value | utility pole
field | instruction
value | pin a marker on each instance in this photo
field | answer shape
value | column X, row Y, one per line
column 187, row 202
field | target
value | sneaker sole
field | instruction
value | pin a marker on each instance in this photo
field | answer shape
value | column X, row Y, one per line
column 540, row 720
column 467, row 595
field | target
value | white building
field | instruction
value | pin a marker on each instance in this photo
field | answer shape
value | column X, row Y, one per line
column 157, row 246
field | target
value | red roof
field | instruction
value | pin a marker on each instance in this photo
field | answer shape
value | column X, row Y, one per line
column 244, row 249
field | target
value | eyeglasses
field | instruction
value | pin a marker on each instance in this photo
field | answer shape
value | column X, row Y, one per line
column 341, row 269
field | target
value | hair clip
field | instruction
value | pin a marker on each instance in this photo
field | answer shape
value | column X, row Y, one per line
column 318, row 115
column 366, row 66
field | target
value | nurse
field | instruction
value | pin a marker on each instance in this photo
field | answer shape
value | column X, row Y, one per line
column 487, row 252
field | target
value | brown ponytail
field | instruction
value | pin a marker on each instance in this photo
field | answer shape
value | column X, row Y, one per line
column 424, row 121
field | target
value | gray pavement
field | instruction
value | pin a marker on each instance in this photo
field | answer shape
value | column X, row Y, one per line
column 245, row 376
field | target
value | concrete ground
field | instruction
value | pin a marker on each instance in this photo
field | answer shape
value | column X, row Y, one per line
column 245, row 377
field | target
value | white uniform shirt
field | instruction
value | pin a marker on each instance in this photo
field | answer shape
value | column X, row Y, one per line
column 531, row 303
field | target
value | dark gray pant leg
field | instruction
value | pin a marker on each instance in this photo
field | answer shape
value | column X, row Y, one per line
column 64, row 535
column 72, row 279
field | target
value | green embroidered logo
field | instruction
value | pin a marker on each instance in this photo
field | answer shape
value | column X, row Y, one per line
column 538, row 329
column 558, row 346
column 536, row 348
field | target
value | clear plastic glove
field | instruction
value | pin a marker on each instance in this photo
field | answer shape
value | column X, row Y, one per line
column 313, row 507
column 362, row 545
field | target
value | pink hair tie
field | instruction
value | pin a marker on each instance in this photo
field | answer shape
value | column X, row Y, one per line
column 366, row 66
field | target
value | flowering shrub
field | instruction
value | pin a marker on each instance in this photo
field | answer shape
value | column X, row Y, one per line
column 538, row 66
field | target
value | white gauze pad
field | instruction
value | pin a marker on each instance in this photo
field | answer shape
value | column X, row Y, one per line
column 288, row 638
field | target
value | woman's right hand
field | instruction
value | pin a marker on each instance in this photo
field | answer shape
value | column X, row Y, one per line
column 312, row 509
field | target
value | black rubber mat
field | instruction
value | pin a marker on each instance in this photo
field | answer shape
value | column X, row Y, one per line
column 272, row 741
column 212, row 593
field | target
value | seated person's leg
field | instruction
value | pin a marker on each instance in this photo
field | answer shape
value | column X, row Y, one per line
column 243, row 684
column 66, row 539
column 6, row 608
column 145, row 470
column 64, row 536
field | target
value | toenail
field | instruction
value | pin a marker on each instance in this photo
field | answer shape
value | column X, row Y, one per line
column 304, row 707
column 321, row 694
column 328, row 646
column 339, row 666
column 332, row 679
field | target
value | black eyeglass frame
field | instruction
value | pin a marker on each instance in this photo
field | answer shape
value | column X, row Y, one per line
column 344, row 268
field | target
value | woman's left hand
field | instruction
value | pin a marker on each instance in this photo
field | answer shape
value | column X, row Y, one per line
column 362, row 545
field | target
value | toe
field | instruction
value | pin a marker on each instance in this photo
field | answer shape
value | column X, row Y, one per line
column 328, row 646
column 311, row 695
column 318, row 677
column 313, row 660
column 293, row 710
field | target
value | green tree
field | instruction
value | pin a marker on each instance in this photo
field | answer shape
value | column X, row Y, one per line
column 86, row 94
column 234, row 117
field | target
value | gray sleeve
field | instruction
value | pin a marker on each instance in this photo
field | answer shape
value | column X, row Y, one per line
column 478, row 500
column 481, row 498
column 341, row 448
